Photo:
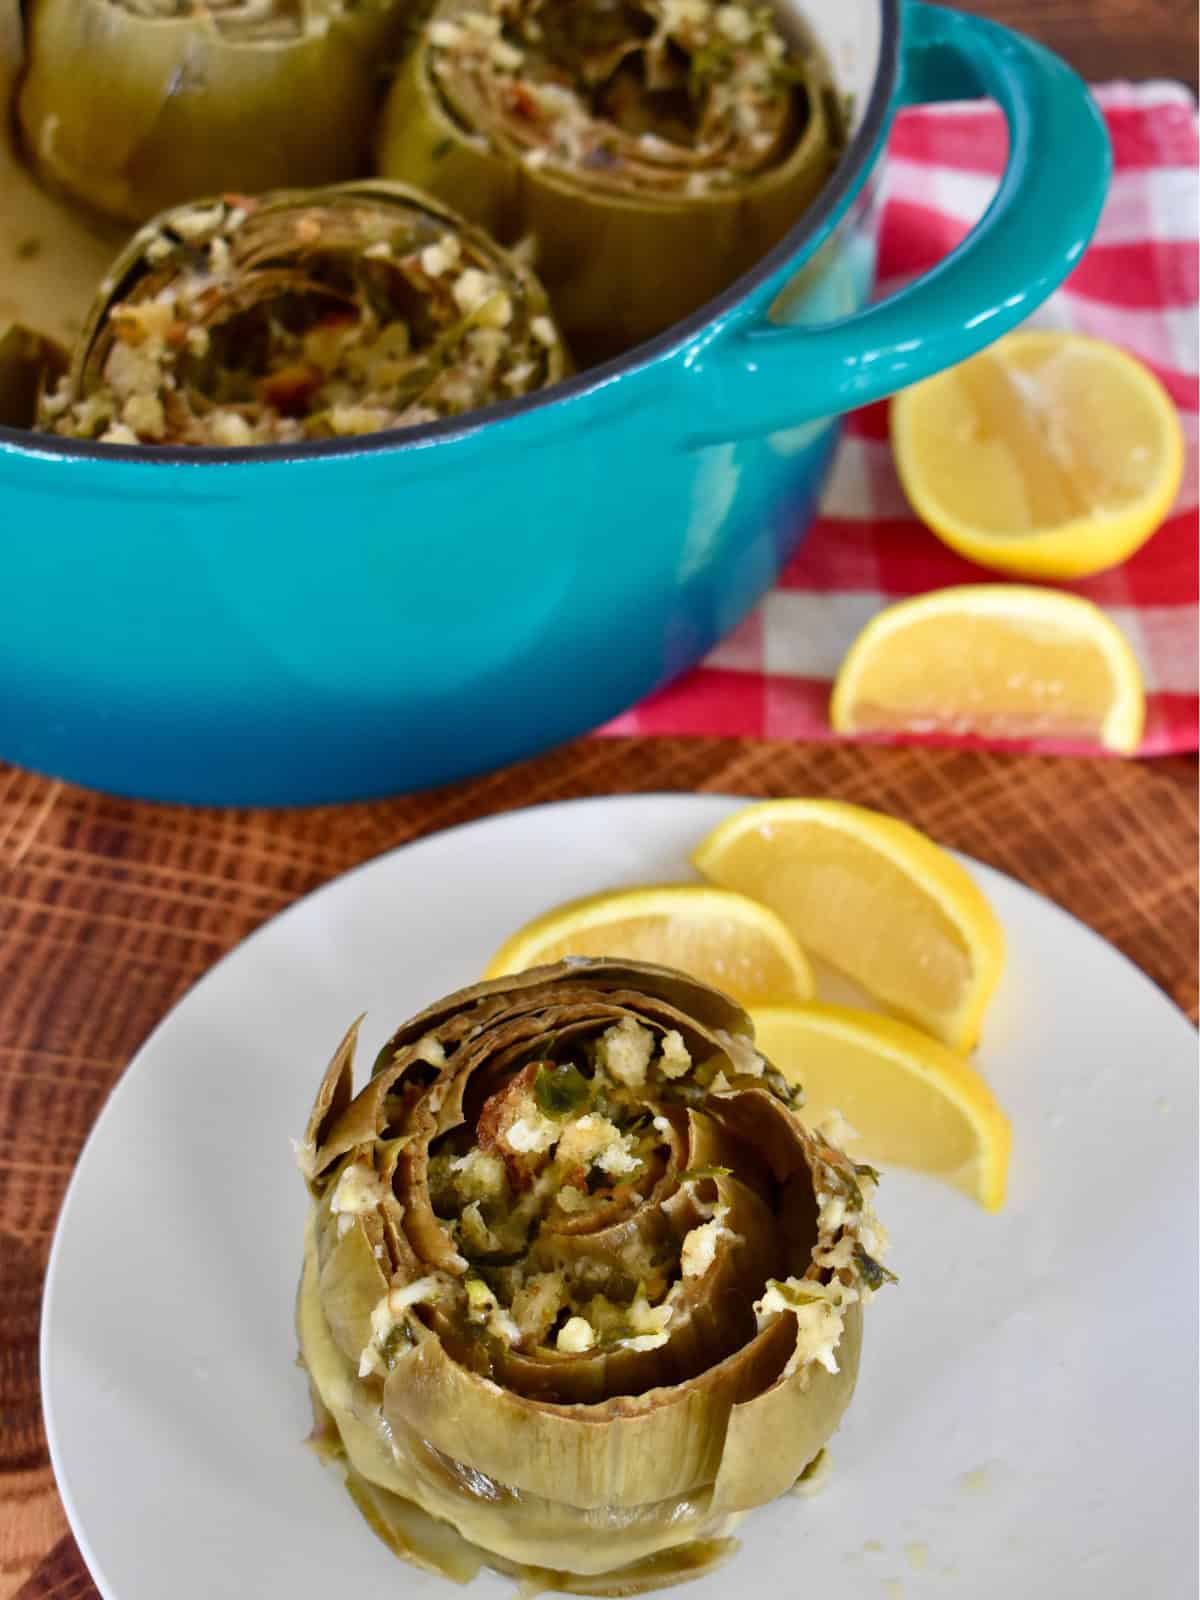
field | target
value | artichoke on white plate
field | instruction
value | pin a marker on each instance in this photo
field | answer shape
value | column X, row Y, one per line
column 306, row 314
column 579, row 1288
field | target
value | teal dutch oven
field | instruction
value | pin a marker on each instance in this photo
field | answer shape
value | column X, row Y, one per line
column 290, row 625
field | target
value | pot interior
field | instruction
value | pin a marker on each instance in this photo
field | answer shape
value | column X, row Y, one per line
column 851, row 36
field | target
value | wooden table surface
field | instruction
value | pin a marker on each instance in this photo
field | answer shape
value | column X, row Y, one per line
column 110, row 910
column 1107, row 38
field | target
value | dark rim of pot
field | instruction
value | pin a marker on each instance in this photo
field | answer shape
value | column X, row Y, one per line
column 679, row 334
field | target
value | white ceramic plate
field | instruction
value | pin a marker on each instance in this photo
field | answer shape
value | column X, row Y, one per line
column 1025, row 1425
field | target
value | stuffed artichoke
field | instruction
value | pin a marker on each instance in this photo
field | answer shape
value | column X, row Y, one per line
column 654, row 149
column 136, row 105
column 298, row 316
column 579, row 1288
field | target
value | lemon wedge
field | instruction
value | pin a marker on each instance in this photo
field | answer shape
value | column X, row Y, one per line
column 910, row 1101
column 872, row 897
column 1000, row 660
column 722, row 938
column 1050, row 455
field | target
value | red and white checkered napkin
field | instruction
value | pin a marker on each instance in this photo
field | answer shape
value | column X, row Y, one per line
column 1136, row 286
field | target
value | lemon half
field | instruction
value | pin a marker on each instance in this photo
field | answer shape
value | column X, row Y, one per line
column 1050, row 455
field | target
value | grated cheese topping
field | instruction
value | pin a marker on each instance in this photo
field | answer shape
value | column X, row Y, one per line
column 357, row 1191
column 576, row 1335
column 699, row 1249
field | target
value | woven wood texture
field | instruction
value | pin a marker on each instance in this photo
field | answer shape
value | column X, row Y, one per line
column 110, row 910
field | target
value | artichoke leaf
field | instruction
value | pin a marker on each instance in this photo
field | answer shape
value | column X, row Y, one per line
column 12, row 42
column 325, row 1441
column 426, row 1232
column 333, row 1096
column 54, row 258
column 681, row 1564
column 756, row 1116
column 351, row 1283
column 668, row 1443
column 428, row 1542
column 28, row 361
column 797, row 1414
column 712, row 1144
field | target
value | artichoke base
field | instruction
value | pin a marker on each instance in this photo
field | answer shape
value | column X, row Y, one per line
column 351, row 1433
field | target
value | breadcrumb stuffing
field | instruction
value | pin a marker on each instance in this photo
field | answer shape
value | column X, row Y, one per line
column 531, row 1133
column 818, row 1310
column 230, row 429
column 675, row 1060
column 478, row 1175
column 593, row 1140
column 624, row 1051
column 699, row 1249
column 471, row 288
column 538, row 1302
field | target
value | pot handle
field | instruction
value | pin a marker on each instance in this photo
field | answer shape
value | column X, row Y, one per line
column 1032, row 234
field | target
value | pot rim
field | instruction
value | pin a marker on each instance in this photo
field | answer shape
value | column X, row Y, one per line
column 846, row 175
